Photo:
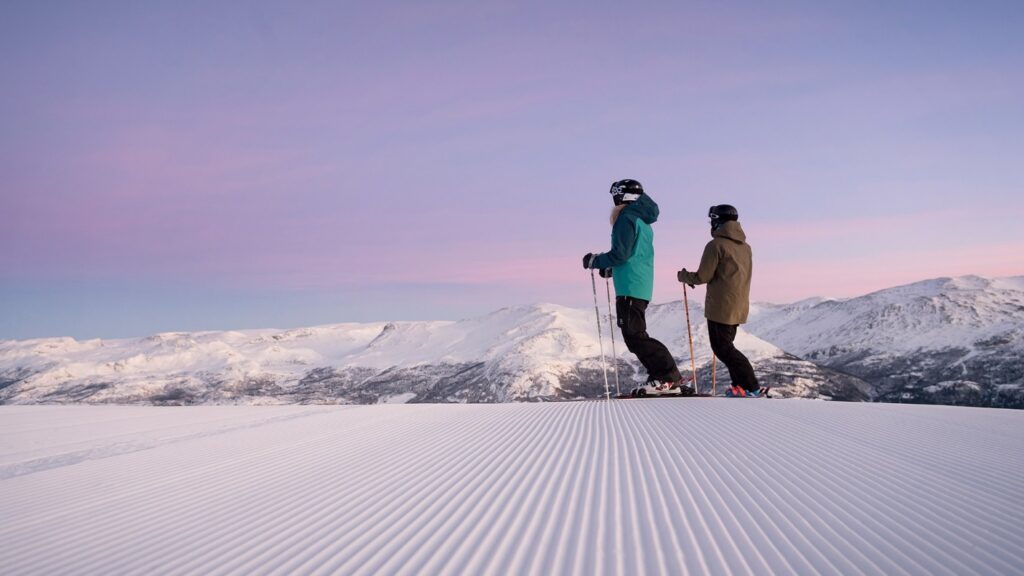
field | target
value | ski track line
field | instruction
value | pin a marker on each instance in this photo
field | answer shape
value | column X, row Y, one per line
column 849, row 494
column 591, row 529
column 663, row 528
column 735, row 560
column 721, row 490
column 647, row 489
column 950, row 443
column 305, row 516
column 734, row 488
column 664, row 437
column 429, row 519
column 709, row 489
column 623, row 519
column 820, row 518
column 573, row 496
column 696, row 496
column 613, row 516
column 936, row 461
column 540, row 530
column 781, row 563
column 622, row 487
column 532, row 506
column 919, row 484
column 309, row 517
column 58, row 507
column 167, row 505
column 317, row 450
column 12, row 423
column 787, row 487
column 829, row 478
column 567, row 500
column 416, row 555
column 522, row 528
column 363, row 508
column 115, row 448
column 157, row 477
column 275, row 523
column 826, row 545
column 136, row 519
column 154, row 477
column 428, row 513
column 748, row 485
column 746, row 559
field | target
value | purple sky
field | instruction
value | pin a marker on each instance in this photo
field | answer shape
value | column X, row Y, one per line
column 203, row 165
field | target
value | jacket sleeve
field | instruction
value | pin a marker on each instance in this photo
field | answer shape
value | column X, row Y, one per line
column 708, row 265
column 623, row 244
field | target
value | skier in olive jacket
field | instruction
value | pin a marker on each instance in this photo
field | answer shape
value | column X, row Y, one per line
column 726, row 267
column 630, row 263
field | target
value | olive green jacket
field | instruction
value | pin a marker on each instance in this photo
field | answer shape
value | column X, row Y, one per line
column 726, row 268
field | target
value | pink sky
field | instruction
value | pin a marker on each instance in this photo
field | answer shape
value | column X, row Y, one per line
column 239, row 165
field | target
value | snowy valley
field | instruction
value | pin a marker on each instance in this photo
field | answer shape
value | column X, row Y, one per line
column 944, row 341
column 949, row 341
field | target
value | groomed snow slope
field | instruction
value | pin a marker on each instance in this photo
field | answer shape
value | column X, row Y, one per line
column 627, row 487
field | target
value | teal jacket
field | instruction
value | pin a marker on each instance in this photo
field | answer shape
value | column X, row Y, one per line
column 632, row 255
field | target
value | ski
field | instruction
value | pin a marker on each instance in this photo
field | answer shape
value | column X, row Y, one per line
column 628, row 396
column 764, row 394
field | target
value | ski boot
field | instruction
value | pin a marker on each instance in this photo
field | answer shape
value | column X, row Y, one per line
column 738, row 392
column 650, row 388
column 662, row 388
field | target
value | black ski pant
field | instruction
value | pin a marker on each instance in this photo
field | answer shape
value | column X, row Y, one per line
column 654, row 356
column 740, row 370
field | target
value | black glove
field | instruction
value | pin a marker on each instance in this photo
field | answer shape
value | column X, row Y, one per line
column 605, row 273
column 681, row 276
column 588, row 260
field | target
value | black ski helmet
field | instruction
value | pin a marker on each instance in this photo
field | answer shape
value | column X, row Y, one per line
column 721, row 214
column 626, row 191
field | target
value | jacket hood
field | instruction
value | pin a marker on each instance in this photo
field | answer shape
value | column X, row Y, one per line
column 643, row 208
column 731, row 230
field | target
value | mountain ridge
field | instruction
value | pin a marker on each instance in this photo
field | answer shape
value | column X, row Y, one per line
column 892, row 345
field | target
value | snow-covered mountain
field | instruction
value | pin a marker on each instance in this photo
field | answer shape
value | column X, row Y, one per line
column 950, row 341
column 944, row 341
column 542, row 352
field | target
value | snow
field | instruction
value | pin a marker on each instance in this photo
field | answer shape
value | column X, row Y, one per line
column 534, row 345
column 965, row 312
column 624, row 487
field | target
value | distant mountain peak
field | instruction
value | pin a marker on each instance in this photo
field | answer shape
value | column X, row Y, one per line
column 905, row 341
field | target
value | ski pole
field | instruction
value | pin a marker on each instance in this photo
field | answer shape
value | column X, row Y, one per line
column 714, row 374
column 611, row 330
column 689, row 332
column 600, row 337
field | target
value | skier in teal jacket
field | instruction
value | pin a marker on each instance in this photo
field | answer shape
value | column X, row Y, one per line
column 630, row 263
